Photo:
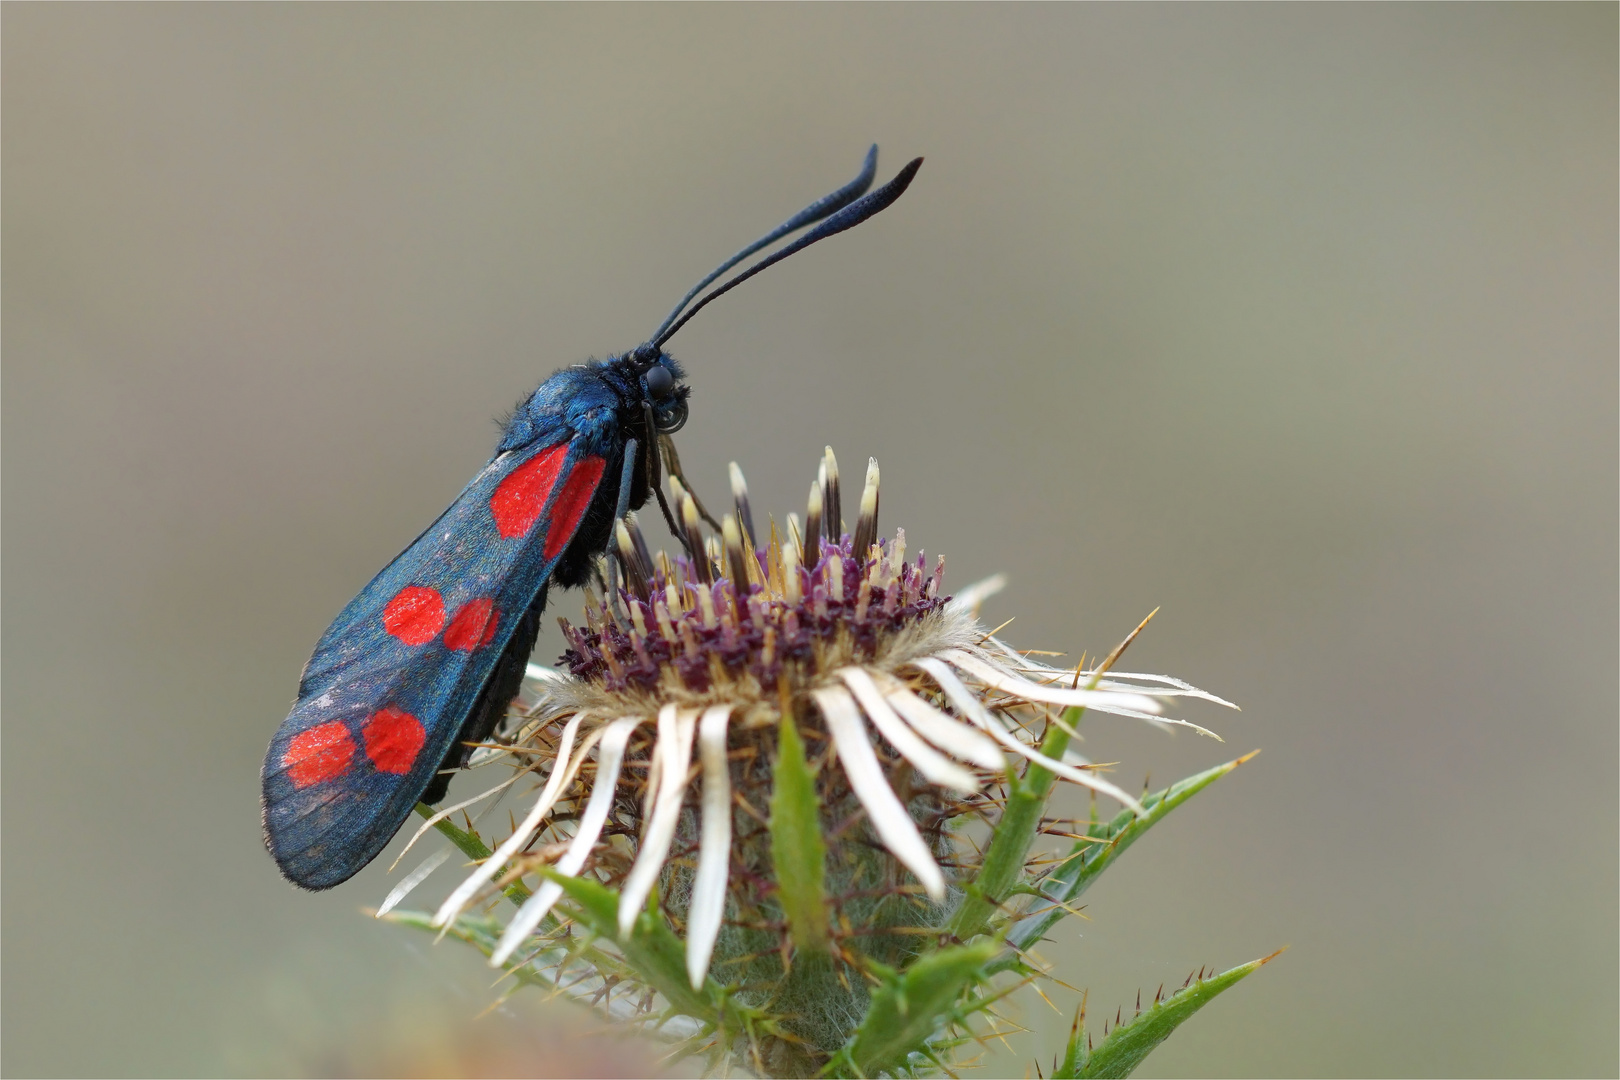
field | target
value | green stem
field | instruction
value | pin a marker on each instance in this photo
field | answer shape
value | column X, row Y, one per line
column 1014, row 835
column 474, row 848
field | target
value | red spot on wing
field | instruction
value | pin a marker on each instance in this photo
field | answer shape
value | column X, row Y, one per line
column 473, row 625
column 393, row 739
column 519, row 498
column 571, row 503
column 321, row 753
column 414, row 615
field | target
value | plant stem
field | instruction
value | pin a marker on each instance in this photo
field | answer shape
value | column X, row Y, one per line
column 474, row 848
column 1014, row 835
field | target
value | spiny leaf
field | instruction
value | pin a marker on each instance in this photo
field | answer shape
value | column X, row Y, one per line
column 909, row 1007
column 483, row 932
column 798, row 853
column 1076, row 1051
column 1013, row 836
column 652, row 954
column 652, row 949
column 1089, row 858
column 474, row 848
column 1123, row 1050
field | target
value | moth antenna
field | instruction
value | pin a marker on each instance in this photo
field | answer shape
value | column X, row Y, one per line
column 827, row 204
column 850, row 216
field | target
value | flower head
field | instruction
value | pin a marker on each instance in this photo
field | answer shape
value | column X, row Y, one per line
column 708, row 684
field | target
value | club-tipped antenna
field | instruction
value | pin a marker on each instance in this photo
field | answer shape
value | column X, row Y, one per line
column 827, row 204
column 846, row 218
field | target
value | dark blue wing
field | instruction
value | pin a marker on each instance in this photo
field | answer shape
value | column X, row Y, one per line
column 392, row 679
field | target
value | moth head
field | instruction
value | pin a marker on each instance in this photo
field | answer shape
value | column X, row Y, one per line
column 663, row 391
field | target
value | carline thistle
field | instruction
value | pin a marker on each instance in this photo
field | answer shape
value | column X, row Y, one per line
column 755, row 773
column 422, row 664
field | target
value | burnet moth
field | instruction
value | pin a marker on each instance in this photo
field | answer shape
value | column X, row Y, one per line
column 423, row 663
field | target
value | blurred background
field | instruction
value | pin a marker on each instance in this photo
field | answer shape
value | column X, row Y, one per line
column 1298, row 321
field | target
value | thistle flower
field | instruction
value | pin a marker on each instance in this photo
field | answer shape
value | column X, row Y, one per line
column 777, row 744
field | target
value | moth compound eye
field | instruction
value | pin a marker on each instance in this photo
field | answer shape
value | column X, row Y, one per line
column 659, row 381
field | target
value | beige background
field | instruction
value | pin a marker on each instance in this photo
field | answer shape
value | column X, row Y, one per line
column 1298, row 321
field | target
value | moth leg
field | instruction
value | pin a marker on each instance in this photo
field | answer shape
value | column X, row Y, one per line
column 673, row 461
column 627, row 476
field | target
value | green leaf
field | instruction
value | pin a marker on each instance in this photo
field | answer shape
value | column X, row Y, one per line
column 798, row 853
column 473, row 847
column 483, row 932
column 480, row 931
column 1014, row 834
column 657, row 957
column 909, row 1007
column 1125, row 1047
column 1089, row 858
column 652, row 950
column 1076, row 1052
column 1013, row 837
